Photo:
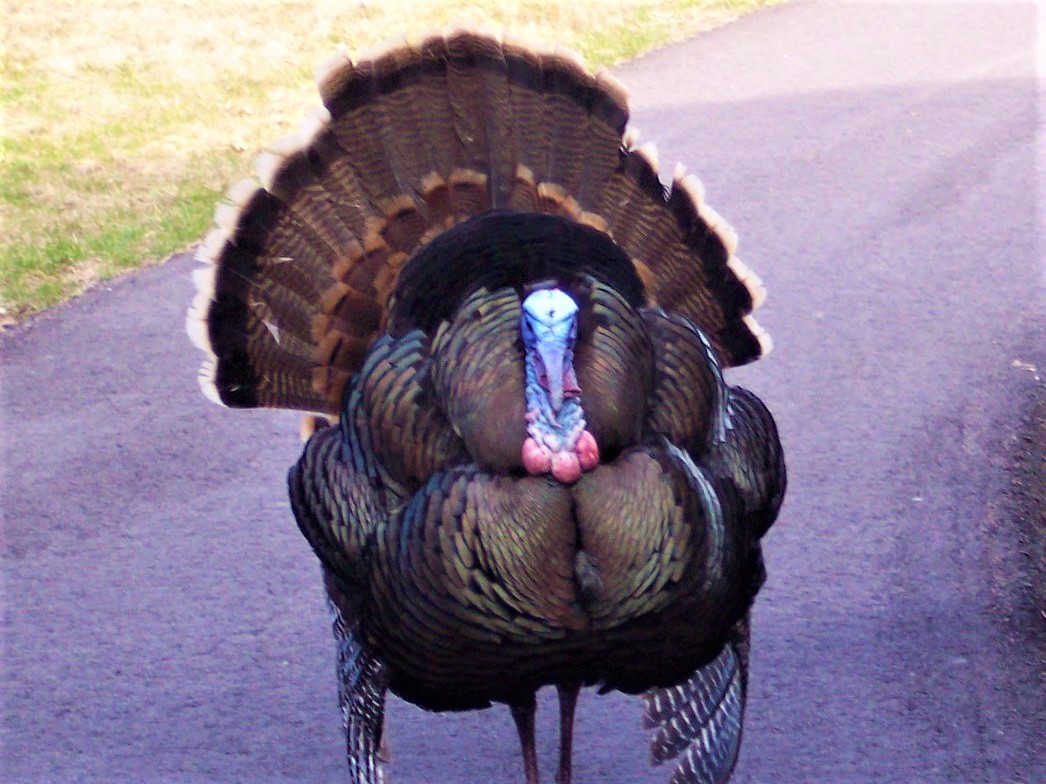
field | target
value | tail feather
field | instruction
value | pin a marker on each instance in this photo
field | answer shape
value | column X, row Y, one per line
column 630, row 201
column 362, row 686
column 411, row 142
column 568, row 98
column 292, row 170
column 524, row 194
column 398, row 122
column 526, row 73
column 699, row 722
column 477, row 79
column 436, row 129
column 340, row 178
column 608, row 115
column 352, row 93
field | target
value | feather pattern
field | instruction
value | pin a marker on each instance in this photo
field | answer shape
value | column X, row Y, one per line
column 411, row 141
column 512, row 497
column 361, row 690
column 699, row 721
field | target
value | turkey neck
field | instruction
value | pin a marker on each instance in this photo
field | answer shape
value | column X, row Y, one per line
column 555, row 429
column 557, row 441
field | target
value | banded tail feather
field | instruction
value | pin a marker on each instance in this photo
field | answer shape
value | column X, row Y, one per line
column 699, row 722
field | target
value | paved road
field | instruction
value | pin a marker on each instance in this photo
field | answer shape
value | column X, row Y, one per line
column 163, row 619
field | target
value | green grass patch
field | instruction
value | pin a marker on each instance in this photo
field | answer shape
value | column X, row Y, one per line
column 116, row 143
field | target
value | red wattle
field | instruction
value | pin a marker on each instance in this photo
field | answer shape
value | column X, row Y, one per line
column 587, row 451
column 536, row 459
column 566, row 467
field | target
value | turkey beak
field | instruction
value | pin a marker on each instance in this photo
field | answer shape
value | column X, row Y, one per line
column 555, row 357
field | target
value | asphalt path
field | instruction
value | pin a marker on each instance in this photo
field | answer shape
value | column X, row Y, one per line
column 163, row 619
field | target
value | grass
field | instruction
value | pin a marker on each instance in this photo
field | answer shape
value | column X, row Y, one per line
column 122, row 123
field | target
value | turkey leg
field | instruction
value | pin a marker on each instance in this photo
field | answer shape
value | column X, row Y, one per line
column 523, row 715
column 567, row 703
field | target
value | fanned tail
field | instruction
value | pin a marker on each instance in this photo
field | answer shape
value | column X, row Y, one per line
column 304, row 262
column 699, row 722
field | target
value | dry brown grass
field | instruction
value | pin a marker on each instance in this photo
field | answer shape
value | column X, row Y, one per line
column 122, row 122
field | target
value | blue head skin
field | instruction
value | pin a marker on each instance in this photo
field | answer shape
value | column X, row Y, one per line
column 549, row 327
column 557, row 441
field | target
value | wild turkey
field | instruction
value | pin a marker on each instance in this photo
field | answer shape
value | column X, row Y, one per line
column 538, row 475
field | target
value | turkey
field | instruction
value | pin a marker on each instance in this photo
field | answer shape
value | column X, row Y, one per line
column 524, row 467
